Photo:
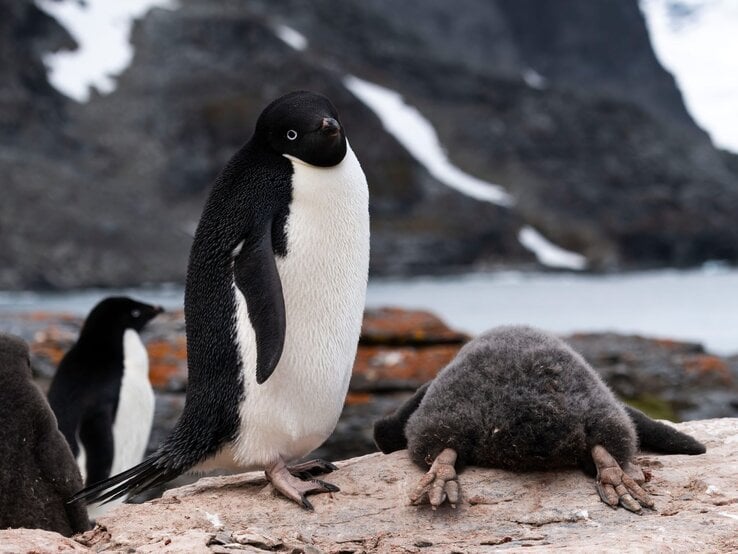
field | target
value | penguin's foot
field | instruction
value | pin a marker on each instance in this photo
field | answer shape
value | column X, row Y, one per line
column 294, row 488
column 636, row 472
column 615, row 486
column 311, row 468
column 440, row 483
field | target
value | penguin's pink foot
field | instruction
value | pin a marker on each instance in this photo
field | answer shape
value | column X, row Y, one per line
column 636, row 472
column 311, row 468
column 615, row 486
column 440, row 483
column 294, row 488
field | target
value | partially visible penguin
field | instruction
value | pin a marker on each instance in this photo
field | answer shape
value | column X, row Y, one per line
column 101, row 393
column 274, row 298
column 37, row 470
column 521, row 399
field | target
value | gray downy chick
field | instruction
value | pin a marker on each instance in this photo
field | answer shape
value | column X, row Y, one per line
column 521, row 399
column 37, row 470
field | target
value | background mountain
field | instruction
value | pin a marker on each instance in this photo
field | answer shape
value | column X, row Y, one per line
column 563, row 104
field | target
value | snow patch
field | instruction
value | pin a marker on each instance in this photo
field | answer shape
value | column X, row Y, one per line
column 548, row 253
column 696, row 41
column 291, row 37
column 419, row 138
column 731, row 516
column 534, row 79
column 102, row 29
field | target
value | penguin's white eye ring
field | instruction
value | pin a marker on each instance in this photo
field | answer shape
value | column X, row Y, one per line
column 291, row 134
column 136, row 313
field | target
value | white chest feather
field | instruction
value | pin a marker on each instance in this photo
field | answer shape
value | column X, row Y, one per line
column 324, row 278
column 135, row 413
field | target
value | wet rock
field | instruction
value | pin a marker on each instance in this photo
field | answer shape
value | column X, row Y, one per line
column 669, row 379
column 401, row 327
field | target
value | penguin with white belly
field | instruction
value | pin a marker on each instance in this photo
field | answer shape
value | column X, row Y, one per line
column 101, row 394
column 274, row 298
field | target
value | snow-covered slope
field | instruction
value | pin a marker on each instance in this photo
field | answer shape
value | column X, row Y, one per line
column 697, row 41
column 102, row 29
column 419, row 138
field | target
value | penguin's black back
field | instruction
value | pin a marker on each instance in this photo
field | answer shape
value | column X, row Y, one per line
column 243, row 196
column 522, row 399
column 37, row 470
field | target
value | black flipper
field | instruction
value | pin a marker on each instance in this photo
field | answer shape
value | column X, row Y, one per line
column 256, row 276
column 96, row 435
column 661, row 438
column 389, row 432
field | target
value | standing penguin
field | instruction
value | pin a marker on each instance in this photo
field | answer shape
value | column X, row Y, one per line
column 275, row 292
column 37, row 470
column 521, row 399
column 101, row 393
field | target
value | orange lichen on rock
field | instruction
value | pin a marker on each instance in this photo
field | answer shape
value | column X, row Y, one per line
column 356, row 398
column 50, row 317
column 51, row 343
column 399, row 326
column 705, row 366
column 167, row 362
column 375, row 364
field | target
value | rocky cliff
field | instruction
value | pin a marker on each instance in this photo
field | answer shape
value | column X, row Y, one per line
column 567, row 108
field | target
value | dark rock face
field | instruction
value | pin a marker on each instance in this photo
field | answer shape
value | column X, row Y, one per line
column 601, row 156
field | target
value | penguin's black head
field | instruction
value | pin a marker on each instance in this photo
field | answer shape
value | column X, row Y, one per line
column 118, row 313
column 303, row 125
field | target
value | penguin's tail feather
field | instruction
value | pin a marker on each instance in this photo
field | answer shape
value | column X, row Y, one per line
column 659, row 437
column 389, row 432
column 151, row 472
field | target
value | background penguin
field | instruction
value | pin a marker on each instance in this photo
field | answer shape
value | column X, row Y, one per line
column 37, row 470
column 521, row 399
column 273, row 306
column 101, row 393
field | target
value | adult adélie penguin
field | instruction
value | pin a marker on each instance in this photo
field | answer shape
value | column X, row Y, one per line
column 274, row 297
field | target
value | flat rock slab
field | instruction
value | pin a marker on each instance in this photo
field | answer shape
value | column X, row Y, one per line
column 696, row 511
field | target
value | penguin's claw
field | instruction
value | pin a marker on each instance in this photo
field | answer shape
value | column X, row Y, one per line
column 440, row 483
column 295, row 488
column 311, row 468
column 615, row 486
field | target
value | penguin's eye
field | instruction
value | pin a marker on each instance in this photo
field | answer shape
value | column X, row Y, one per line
column 291, row 134
column 136, row 313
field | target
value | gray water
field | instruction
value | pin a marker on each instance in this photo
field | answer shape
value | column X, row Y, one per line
column 700, row 305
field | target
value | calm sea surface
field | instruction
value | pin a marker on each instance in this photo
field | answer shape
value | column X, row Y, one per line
column 700, row 305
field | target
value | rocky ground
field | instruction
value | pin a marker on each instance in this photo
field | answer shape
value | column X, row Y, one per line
column 696, row 510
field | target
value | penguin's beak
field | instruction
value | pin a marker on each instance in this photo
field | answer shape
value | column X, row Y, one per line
column 330, row 127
